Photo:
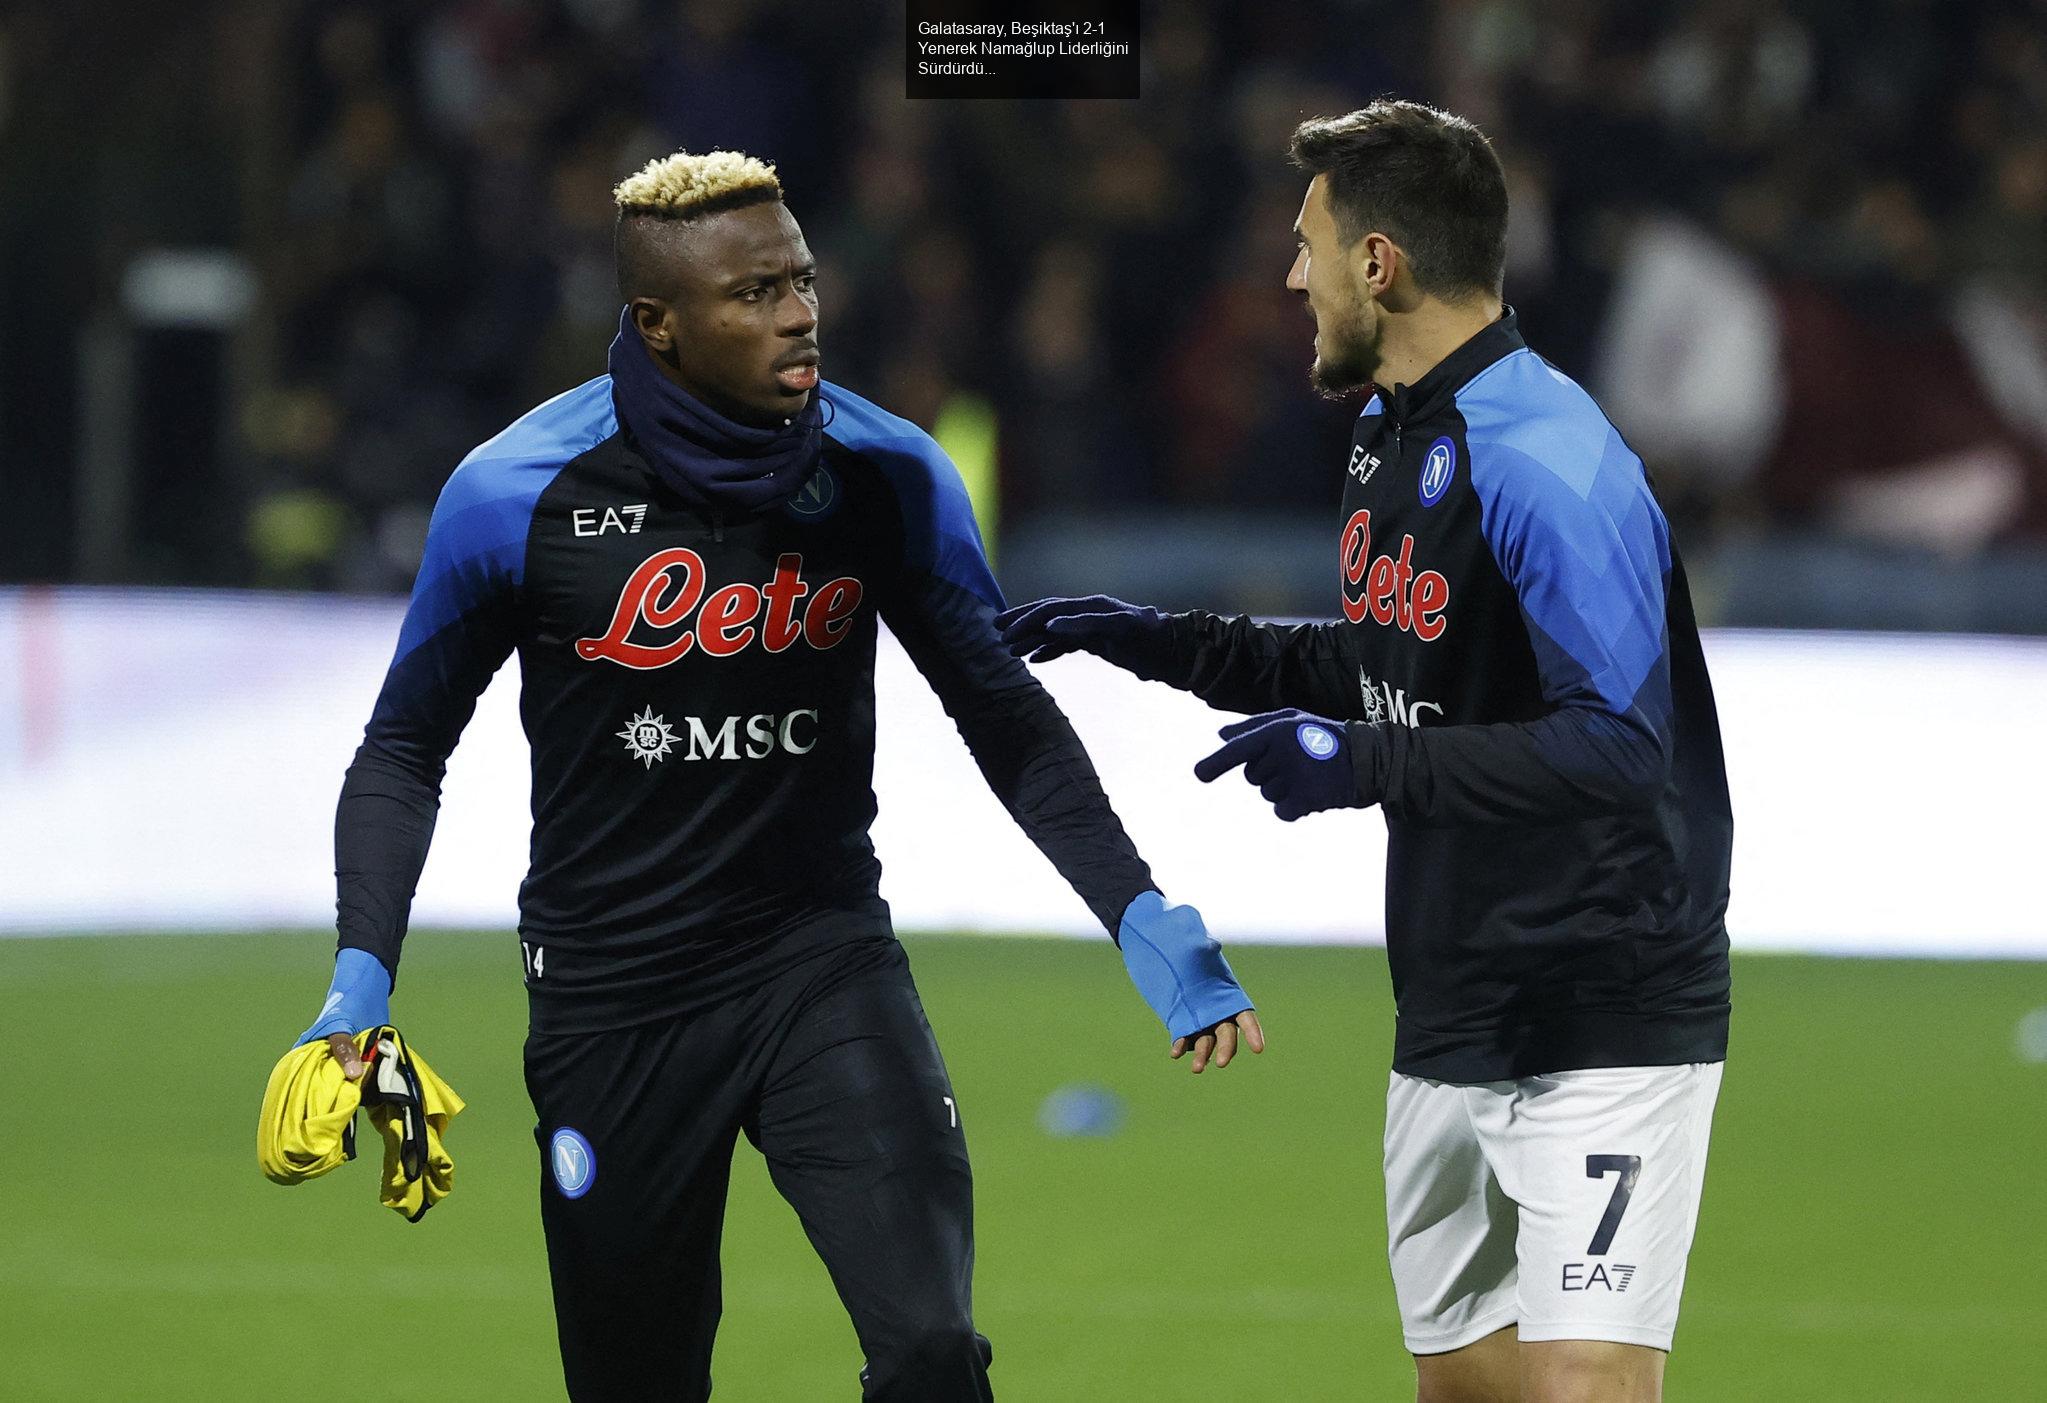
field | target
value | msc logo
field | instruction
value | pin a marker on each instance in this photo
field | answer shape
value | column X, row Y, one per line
column 669, row 585
column 1393, row 592
column 627, row 521
column 1439, row 465
column 650, row 738
column 1384, row 702
column 1606, row 1278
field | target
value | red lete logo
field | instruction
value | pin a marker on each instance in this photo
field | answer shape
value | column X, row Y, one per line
column 1393, row 592
column 732, row 617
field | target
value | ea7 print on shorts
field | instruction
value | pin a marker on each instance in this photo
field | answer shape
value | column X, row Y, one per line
column 1562, row 1203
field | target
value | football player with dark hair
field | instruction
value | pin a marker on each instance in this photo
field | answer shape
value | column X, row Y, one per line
column 1517, row 683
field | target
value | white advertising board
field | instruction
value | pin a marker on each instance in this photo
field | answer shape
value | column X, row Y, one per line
column 170, row 760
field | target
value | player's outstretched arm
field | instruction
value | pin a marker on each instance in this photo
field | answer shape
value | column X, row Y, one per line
column 942, row 608
column 1235, row 664
column 458, row 630
column 1035, row 764
column 1586, row 549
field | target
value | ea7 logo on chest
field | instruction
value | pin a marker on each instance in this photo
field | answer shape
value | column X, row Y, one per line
column 669, row 585
column 1362, row 464
column 590, row 521
column 1393, row 592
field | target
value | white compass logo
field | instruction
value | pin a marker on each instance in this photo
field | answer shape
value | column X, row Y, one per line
column 648, row 737
column 1375, row 705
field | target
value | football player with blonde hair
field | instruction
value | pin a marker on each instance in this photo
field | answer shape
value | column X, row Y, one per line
column 692, row 555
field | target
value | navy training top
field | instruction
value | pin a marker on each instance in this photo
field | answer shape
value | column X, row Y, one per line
column 1528, row 701
column 698, row 694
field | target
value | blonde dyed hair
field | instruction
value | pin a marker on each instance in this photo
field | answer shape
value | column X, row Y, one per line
column 682, row 185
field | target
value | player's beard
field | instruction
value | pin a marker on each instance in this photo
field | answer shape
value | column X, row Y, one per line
column 1346, row 356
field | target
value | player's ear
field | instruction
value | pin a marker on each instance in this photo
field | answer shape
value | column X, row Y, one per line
column 1375, row 258
column 651, row 319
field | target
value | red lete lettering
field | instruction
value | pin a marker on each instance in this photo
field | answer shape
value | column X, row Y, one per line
column 1393, row 593
column 831, row 613
column 668, row 585
column 780, row 628
column 726, row 623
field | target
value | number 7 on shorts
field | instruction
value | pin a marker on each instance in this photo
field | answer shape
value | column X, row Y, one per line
column 1629, row 1167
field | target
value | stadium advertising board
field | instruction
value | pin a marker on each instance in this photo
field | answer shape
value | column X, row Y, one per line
column 170, row 760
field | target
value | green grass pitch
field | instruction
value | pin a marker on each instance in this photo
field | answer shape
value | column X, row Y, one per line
column 1875, row 1223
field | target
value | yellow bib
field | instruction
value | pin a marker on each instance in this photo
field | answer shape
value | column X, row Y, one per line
column 308, row 1121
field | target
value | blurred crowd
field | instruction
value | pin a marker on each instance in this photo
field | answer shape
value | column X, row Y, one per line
column 1799, row 247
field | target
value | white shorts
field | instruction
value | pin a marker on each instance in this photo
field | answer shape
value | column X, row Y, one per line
column 1564, row 1203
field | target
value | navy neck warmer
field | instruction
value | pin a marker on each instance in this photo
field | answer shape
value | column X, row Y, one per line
column 713, row 463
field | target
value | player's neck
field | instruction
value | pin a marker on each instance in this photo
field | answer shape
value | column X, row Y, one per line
column 1419, row 340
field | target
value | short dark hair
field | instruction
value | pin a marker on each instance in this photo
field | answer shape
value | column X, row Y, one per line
column 1427, row 179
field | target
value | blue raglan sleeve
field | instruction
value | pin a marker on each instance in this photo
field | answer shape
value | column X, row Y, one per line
column 1575, row 530
column 458, row 630
column 942, row 610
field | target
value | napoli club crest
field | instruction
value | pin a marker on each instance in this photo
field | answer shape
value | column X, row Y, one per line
column 817, row 498
column 572, row 1161
column 1439, row 466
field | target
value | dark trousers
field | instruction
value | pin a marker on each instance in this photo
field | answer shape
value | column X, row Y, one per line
column 832, row 1072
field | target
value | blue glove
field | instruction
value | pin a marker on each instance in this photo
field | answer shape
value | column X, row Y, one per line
column 1178, row 967
column 359, row 997
column 1300, row 762
column 1128, row 635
